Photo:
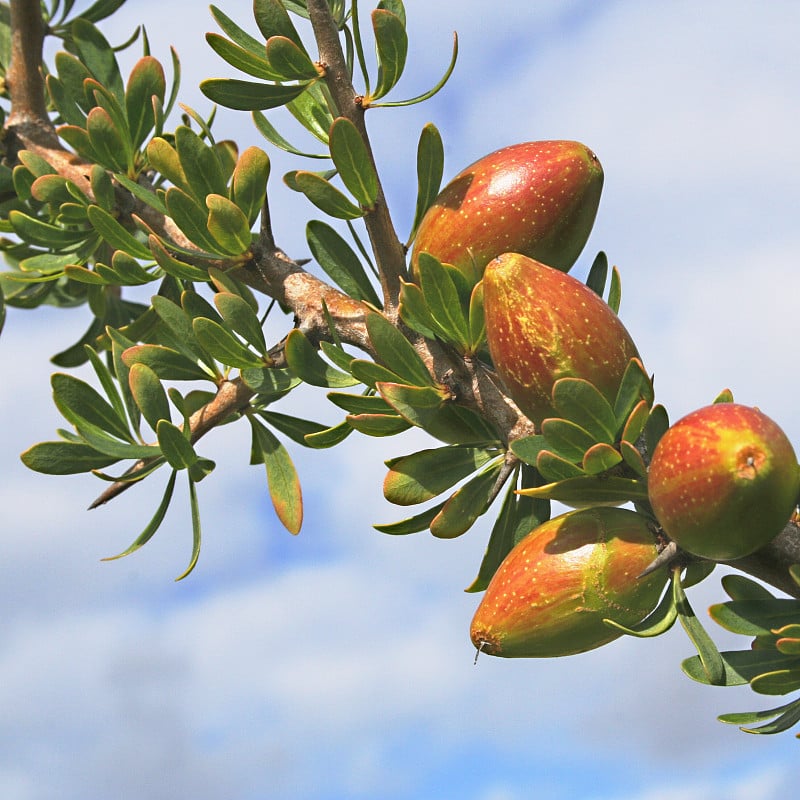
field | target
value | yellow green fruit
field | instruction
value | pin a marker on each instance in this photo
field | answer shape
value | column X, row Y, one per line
column 535, row 198
column 551, row 593
column 723, row 481
column 542, row 325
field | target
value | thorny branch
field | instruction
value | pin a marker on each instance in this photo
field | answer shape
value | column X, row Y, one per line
column 271, row 271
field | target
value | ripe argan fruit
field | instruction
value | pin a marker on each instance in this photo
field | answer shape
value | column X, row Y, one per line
column 551, row 593
column 542, row 325
column 536, row 198
column 723, row 481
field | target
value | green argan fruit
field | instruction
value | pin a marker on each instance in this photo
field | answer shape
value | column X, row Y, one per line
column 551, row 593
column 542, row 325
column 535, row 198
column 723, row 481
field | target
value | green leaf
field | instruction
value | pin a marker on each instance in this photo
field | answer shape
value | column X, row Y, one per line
column 145, row 82
column 296, row 428
column 248, row 96
column 579, row 401
column 241, row 58
column 311, row 110
column 268, row 131
column 325, row 196
column 600, row 458
column 757, row 616
column 615, row 291
column 785, row 717
column 391, row 44
column 200, row 163
column 340, row 262
column 370, row 373
column 149, row 394
column 273, row 20
column 567, row 439
column 290, row 62
column 240, row 317
column 395, row 350
column 98, row 56
column 228, row 224
column 443, row 300
column 305, row 362
column 591, row 490
column 710, row 658
column 528, row 448
column 421, row 476
column 34, row 231
column 115, row 235
column 224, row 346
column 430, row 168
column 119, row 344
column 378, row 424
column 180, row 324
column 192, row 219
column 359, row 403
column 477, row 318
column 555, row 468
column 443, row 420
column 79, row 402
column 64, row 458
column 107, row 140
column 634, row 387
column 465, row 505
column 174, row 266
column 269, row 381
column 249, row 182
column 353, row 161
column 659, row 621
column 740, row 666
column 284, row 485
column 237, row 34
column 598, row 273
column 635, row 424
column 656, row 427
column 167, row 363
column 196, row 533
column 415, row 524
column 633, row 458
column 330, row 437
column 738, row 587
column 177, row 449
column 415, row 313
column 163, row 157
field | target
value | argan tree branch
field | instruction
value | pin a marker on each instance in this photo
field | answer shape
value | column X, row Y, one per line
column 389, row 252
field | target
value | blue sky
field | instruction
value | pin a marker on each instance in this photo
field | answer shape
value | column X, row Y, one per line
column 337, row 664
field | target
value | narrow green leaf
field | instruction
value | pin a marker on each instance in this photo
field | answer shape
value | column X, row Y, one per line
column 145, row 81
column 305, row 362
column 370, row 373
column 269, row 132
column 443, row 300
column 192, row 219
column 311, row 110
column 167, row 363
column 738, row 587
column 710, row 658
column 174, row 266
column 415, row 313
column 465, row 505
column 430, row 168
column 421, row 476
column 600, row 458
column 330, row 437
column 353, row 162
column 395, row 350
column 634, row 387
column 567, row 439
column 240, row 317
column 528, row 448
column 554, row 468
column 200, row 163
column 591, row 490
column 163, row 157
column 177, row 449
column 273, row 20
column 633, row 458
column 415, row 524
column 378, row 424
column 284, row 485
column 391, row 44
column 579, row 401
column 107, row 141
column 656, row 427
column 269, row 381
column 615, row 291
column 78, row 401
column 659, row 621
column 477, row 319
column 228, row 224
column 149, row 394
column 755, row 617
column 290, row 62
column 248, row 96
column 196, row 532
column 64, row 458
column 241, row 58
column 155, row 523
column 224, row 346
column 635, row 424
column 340, row 262
column 296, row 428
column 325, row 196
column 98, row 56
column 786, row 717
column 598, row 274
column 237, row 34
column 115, row 235
column 249, row 182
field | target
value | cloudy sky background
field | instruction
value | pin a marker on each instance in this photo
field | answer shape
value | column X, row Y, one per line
column 337, row 663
